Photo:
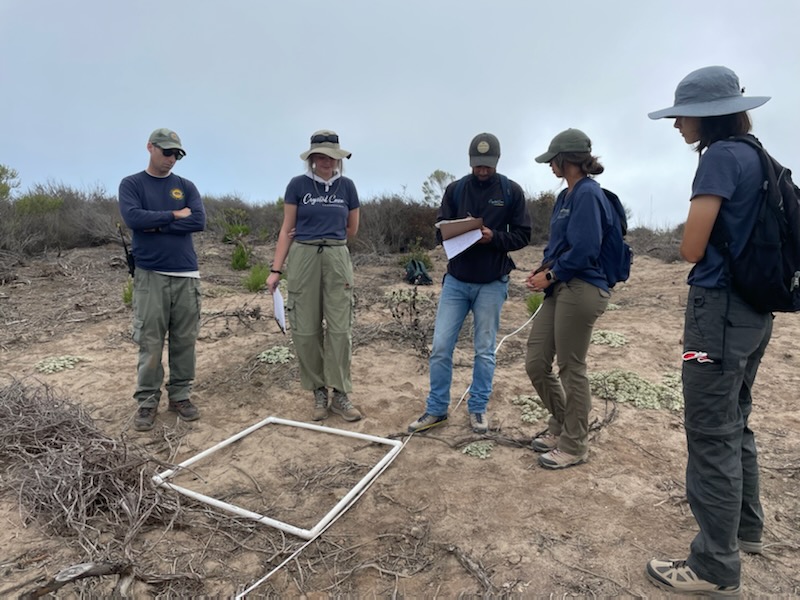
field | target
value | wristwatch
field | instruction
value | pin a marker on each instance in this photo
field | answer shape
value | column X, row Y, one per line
column 550, row 276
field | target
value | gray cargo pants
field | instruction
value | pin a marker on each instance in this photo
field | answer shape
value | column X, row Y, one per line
column 722, row 468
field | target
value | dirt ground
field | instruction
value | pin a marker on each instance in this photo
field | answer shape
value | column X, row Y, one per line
column 438, row 522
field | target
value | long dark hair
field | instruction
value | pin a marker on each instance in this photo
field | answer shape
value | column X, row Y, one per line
column 588, row 164
column 714, row 129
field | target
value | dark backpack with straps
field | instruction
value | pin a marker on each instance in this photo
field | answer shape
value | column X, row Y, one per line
column 616, row 256
column 767, row 272
column 416, row 273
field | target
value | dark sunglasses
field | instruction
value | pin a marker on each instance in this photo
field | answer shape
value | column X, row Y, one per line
column 178, row 154
column 319, row 139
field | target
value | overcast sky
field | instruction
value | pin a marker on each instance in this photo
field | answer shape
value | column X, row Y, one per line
column 406, row 84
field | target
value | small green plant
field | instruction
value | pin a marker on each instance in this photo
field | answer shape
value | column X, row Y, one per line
column 127, row 292
column 626, row 386
column 531, row 407
column 608, row 338
column 612, row 306
column 534, row 301
column 54, row 364
column 416, row 252
column 234, row 233
column 257, row 278
column 241, row 257
column 482, row 449
column 277, row 355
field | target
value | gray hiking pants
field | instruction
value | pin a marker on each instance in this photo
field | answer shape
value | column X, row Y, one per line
column 165, row 306
column 563, row 330
column 320, row 289
column 722, row 468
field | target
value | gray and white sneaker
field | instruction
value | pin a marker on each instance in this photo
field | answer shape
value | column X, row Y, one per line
column 479, row 422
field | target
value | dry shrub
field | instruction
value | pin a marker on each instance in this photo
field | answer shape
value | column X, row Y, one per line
column 392, row 224
column 540, row 210
column 661, row 244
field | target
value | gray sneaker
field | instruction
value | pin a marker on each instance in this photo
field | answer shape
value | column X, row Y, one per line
column 320, row 404
column 145, row 418
column 426, row 422
column 751, row 547
column 479, row 422
column 545, row 442
column 341, row 405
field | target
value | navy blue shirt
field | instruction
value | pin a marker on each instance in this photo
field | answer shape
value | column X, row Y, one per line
column 576, row 233
column 732, row 171
column 322, row 207
column 160, row 241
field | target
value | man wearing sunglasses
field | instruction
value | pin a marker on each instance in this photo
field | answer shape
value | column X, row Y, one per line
column 163, row 210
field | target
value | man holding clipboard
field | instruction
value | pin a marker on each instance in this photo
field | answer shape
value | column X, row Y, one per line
column 482, row 218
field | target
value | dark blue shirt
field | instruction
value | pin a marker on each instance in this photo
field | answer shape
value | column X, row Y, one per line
column 732, row 171
column 576, row 233
column 322, row 207
column 160, row 241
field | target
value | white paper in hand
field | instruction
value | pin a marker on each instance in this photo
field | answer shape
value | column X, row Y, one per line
column 456, row 245
column 278, row 309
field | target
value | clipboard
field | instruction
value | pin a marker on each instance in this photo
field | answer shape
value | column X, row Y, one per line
column 455, row 227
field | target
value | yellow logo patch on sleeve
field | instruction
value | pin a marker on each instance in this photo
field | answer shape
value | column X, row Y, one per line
column 176, row 193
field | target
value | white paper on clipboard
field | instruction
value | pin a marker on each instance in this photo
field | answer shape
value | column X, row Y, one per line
column 457, row 244
column 278, row 309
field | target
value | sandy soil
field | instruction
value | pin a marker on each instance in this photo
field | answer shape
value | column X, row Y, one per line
column 438, row 521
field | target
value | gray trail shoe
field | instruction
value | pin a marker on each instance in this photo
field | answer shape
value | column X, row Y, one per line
column 320, row 404
column 426, row 422
column 545, row 442
column 479, row 422
column 341, row 405
column 558, row 459
column 145, row 418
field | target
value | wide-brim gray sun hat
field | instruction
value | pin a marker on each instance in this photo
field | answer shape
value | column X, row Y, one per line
column 569, row 140
column 325, row 142
column 709, row 92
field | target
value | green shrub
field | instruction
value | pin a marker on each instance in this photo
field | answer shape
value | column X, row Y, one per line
column 234, row 232
column 416, row 252
column 534, row 301
column 257, row 278
column 241, row 257
column 127, row 292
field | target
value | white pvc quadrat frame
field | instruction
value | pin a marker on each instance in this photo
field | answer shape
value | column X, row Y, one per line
column 307, row 534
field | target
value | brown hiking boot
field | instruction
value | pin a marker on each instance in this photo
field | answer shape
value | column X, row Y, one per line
column 545, row 442
column 145, row 418
column 185, row 409
column 342, row 406
column 320, row 404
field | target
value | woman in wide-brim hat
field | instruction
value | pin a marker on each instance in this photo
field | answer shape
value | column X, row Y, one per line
column 320, row 213
column 724, row 337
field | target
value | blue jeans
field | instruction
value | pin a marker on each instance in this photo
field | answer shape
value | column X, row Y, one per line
column 458, row 298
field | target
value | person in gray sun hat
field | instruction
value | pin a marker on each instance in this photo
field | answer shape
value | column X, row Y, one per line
column 163, row 210
column 320, row 213
column 724, row 338
column 577, row 292
column 476, row 281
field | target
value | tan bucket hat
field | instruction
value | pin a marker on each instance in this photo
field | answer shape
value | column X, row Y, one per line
column 325, row 142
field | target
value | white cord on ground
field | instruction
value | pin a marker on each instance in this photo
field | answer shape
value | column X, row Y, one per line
column 297, row 552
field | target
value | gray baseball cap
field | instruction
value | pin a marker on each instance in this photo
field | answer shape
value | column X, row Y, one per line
column 709, row 92
column 570, row 140
column 166, row 139
column 484, row 151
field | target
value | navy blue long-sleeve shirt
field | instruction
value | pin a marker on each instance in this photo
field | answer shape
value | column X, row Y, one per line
column 160, row 241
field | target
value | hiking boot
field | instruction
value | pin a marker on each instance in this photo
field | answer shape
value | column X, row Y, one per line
column 558, row 459
column 479, row 422
column 751, row 547
column 545, row 442
column 341, row 405
column 426, row 422
column 145, row 418
column 320, row 404
column 185, row 409
column 677, row 576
